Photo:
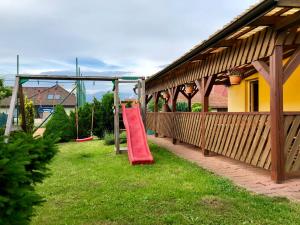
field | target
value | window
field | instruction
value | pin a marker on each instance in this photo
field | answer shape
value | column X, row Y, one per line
column 253, row 96
column 51, row 97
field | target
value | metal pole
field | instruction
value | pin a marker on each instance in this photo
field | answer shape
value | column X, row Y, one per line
column 18, row 66
column 116, row 117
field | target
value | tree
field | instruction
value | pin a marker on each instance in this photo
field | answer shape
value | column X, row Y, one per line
column 4, row 91
column 108, row 111
column 23, row 164
column 99, row 119
column 84, row 121
column 59, row 126
column 150, row 107
column 29, row 115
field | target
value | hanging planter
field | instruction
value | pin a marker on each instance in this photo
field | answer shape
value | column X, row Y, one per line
column 189, row 87
column 165, row 95
column 235, row 76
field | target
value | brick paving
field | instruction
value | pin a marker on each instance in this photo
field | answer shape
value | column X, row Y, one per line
column 253, row 179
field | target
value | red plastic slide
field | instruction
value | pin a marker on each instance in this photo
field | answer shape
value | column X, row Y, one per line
column 138, row 149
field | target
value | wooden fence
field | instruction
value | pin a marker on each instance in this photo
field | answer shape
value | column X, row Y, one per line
column 241, row 136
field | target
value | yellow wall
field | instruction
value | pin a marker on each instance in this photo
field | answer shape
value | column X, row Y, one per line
column 238, row 94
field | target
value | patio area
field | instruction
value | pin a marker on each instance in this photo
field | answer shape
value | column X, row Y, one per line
column 249, row 177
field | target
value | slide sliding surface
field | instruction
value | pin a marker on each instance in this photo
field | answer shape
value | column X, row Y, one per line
column 138, row 149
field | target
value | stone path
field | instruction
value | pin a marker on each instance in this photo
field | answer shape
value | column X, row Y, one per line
column 251, row 178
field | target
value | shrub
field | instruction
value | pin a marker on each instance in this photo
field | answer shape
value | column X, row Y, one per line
column 104, row 115
column 196, row 107
column 4, row 91
column 109, row 138
column 59, row 126
column 29, row 115
column 84, row 121
column 182, row 107
column 23, row 163
column 150, row 107
column 99, row 117
column 107, row 104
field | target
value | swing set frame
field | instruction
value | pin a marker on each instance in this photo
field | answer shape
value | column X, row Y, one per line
column 117, row 80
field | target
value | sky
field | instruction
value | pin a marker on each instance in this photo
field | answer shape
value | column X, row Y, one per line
column 132, row 37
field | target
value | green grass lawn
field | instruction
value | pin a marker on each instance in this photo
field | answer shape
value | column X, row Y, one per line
column 91, row 185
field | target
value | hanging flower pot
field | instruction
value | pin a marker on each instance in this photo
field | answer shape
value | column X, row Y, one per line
column 235, row 79
column 189, row 87
column 235, row 76
column 165, row 95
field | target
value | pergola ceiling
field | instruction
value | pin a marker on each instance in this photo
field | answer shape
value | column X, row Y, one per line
column 279, row 21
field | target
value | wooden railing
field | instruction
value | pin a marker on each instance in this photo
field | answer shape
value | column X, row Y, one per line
column 241, row 136
column 292, row 141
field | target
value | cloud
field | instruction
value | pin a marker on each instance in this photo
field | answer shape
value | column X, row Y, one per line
column 133, row 35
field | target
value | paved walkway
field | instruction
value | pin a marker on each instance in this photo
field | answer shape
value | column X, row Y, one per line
column 253, row 179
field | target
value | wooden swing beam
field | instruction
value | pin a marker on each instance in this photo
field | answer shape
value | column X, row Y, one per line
column 22, row 78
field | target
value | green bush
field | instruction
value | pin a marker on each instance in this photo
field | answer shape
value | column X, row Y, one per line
column 59, row 126
column 196, row 107
column 23, row 163
column 84, row 121
column 104, row 115
column 109, row 138
column 182, row 107
column 150, row 105
column 4, row 91
column 29, row 115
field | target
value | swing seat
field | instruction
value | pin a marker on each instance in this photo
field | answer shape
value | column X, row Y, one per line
column 84, row 139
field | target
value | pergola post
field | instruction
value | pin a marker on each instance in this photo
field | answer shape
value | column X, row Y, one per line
column 143, row 101
column 189, row 103
column 156, row 99
column 174, row 96
column 205, row 85
column 276, row 112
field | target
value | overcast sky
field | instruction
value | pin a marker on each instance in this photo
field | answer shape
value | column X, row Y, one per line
column 138, row 36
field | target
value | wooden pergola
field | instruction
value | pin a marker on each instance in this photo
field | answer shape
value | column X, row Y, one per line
column 258, row 40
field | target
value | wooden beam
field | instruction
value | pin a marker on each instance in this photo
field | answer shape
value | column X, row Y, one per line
column 288, row 3
column 291, row 65
column 190, row 103
column 277, row 120
column 156, row 96
column 116, row 118
column 209, row 83
column 194, row 93
column 287, row 22
column 143, row 101
column 184, row 94
column 174, row 96
column 10, row 115
column 148, row 98
column 263, row 69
